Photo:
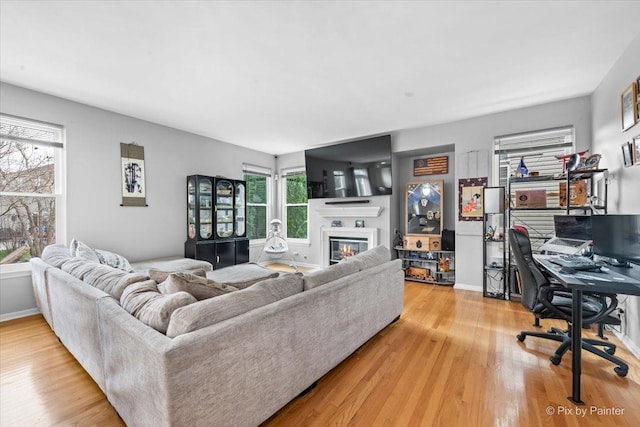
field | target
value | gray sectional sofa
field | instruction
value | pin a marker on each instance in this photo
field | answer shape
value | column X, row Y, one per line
column 231, row 360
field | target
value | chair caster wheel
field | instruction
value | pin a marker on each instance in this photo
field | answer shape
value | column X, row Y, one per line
column 521, row 337
column 622, row 372
column 610, row 350
column 555, row 359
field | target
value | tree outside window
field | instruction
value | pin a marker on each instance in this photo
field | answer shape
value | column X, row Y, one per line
column 296, row 205
column 28, row 193
column 257, row 202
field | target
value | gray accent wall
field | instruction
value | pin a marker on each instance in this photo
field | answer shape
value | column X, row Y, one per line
column 93, row 184
column 623, row 185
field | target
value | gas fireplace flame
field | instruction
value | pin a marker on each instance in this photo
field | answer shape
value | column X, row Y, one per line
column 346, row 251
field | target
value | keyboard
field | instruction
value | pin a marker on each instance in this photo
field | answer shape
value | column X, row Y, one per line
column 576, row 262
column 569, row 243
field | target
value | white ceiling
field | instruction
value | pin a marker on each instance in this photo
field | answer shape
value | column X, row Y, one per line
column 283, row 76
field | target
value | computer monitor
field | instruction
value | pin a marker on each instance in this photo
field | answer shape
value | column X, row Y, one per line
column 577, row 227
column 617, row 237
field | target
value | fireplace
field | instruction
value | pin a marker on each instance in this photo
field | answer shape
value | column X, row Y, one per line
column 342, row 242
column 345, row 247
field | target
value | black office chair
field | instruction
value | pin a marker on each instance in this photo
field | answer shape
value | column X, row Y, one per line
column 553, row 301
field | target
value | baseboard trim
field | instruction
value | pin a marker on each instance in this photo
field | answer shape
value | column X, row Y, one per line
column 631, row 346
column 466, row 287
column 18, row 314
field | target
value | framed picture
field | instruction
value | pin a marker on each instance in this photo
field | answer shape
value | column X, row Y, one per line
column 424, row 207
column 134, row 187
column 635, row 149
column 360, row 223
column 471, row 192
column 627, row 156
column 629, row 106
column 638, row 99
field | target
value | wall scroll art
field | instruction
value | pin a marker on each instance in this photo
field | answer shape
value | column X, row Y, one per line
column 471, row 199
column 134, row 187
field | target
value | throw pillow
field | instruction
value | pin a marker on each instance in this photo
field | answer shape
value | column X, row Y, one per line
column 84, row 251
column 242, row 275
column 200, row 287
column 113, row 259
column 73, row 247
column 80, row 249
column 143, row 301
column 160, row 276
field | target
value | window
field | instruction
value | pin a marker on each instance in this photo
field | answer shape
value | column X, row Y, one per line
column 258, row 200
column 538, row 150
column 295, row 209
column 32, row 210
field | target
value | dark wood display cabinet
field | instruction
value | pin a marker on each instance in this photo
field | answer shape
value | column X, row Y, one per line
column 216, row 220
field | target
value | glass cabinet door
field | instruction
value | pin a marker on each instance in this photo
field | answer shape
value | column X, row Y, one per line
column 224, row 208
column 191, row 208
column 239, row 209
column 205, row 208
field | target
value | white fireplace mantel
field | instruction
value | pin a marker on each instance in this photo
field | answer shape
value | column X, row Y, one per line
column 350, row 211
column 371, row 234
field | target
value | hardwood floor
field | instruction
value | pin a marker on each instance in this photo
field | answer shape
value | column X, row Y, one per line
column 452, row 359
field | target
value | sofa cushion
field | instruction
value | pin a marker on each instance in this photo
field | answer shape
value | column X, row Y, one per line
column 143, row 301
column 329, row 274
column 160, row 275
column 242, row 275
column 108, row 279
column 172, row 264
column 55, row 255
column 371, row 258
column 209, row 312
column 79, row 267
column 200, row 287
column 112, row 280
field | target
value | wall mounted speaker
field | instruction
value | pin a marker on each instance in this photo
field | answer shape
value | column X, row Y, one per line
column 448, row 240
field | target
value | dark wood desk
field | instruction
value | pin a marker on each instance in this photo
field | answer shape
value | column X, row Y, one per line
column 609, row 280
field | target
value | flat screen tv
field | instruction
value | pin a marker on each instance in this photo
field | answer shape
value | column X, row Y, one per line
column 352, row 169
column 617, row 237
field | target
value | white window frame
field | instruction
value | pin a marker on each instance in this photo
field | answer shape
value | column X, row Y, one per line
column 266, row 172
column 283, row 207
column 535, row 144
column 8, row 271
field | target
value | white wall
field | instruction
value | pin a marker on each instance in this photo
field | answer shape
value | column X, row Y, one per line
column 94, row 214
column 607, row 140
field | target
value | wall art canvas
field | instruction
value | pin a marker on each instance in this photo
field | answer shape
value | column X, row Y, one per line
column 471, row 198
